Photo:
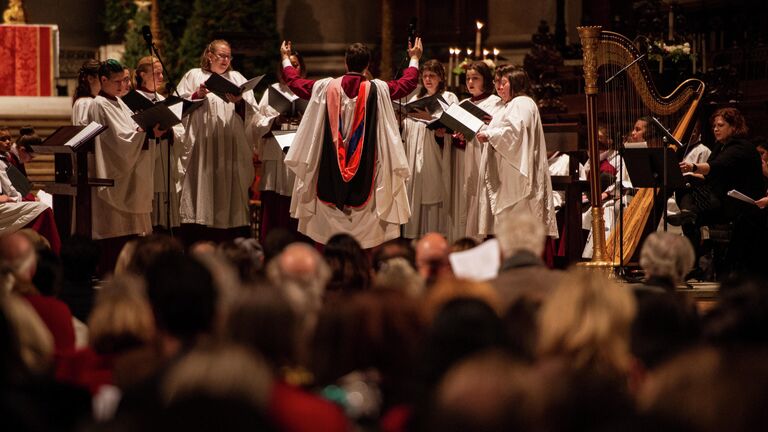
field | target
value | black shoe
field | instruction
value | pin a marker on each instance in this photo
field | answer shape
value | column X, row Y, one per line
column 682, row 218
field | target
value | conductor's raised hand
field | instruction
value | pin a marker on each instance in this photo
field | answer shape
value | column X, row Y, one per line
column 416, row 50
column 285, row 50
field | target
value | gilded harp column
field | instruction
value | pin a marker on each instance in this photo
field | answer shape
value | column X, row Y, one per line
column 589, row 42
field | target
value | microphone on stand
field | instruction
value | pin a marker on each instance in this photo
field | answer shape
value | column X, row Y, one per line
column 147, row 34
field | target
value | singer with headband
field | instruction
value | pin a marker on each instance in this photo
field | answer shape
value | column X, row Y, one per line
column 348, row 156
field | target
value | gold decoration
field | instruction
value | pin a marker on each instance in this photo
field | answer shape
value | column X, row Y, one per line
column 589, row 41
column 15, row 13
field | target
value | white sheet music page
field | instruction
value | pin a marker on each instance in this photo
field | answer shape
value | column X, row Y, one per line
column 481, row 263
column 284, row 138
column 83, row 134
column 465, row 117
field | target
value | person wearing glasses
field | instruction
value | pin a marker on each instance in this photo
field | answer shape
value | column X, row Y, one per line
column 219, row 145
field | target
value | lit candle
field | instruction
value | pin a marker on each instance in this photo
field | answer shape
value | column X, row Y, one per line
column 478, row 37
column 485, row 53
column 671, row 24
column 450, row 67
column 469, row 52
column 496, row 55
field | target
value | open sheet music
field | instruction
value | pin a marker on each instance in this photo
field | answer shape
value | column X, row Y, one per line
column 733, row 193
column 71, row 136
column 460, row 120
column 161, row 114
column 431, row 104
column 136, row 101
column 284, row 139
column 481, row 263
column 220, row 86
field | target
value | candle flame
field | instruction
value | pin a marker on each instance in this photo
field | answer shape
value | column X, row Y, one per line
column 479, row 25
column 485, row 52
column 496, row 51
column 469, row 51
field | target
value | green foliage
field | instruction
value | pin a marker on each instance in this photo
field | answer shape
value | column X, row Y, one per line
column 249, row 26
column 135, row 46
column 187, row 27
column 117, row 14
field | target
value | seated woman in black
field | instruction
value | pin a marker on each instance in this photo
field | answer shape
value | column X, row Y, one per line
column 733, row 165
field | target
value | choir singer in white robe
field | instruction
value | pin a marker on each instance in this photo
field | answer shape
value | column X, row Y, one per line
column 347, row 155
column 122, row 153
column 219, row 145
column 429, row 160
column 514, row 170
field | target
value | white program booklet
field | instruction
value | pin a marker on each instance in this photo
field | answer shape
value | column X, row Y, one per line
column 733, row 193
column 481, row 263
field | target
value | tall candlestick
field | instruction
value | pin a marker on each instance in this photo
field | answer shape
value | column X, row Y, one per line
column 671, row 24
column 496, row 55
column 450, row 67
column 693, row 55
column 469, row 52
column 478, row 37
column 485, row 54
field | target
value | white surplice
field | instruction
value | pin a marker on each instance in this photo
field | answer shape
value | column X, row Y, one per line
column 218, row 156
column 514, row 170
column 429, row 187
column 559, row 164
column 274, row 175
column 80, row 110
column 162, row 171
column 15, row 214
column 125, row 208
column 380, row 218
column 466, row 183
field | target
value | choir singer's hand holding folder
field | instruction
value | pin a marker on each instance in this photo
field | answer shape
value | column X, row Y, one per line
column 221, row 86
column 465, row 118
column 167, row 113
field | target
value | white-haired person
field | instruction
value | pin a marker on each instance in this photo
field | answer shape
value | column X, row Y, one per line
column 666, row 259
column 522, row 239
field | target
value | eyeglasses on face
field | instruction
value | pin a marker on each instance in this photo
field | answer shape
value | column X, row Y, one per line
column 223, row 57
column 5, row 137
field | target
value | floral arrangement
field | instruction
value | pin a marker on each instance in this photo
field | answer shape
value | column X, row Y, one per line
column 660, row 50
column 462, row 67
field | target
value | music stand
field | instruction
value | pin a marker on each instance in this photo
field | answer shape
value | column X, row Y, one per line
column 654, row 168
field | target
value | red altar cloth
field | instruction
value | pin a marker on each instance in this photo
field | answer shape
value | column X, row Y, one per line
column 28, row 55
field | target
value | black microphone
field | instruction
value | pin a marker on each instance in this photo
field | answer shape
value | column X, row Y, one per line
column 412, row 32
column 147, row 33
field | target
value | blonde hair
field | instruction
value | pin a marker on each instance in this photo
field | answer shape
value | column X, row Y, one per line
column 146, row 64
column 35, row 340
column 587, row 320
column 448, row 289
column 122, row 317
column 205, row 62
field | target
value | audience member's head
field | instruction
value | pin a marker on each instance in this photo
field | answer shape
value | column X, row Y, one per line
column 486, row 392
column 301, row 273
column 586, row 321
column 520, row 233
column 464, row 243
column 246, row 255
column 275, row 241
column 462, row 326
column 122, row 317
column 667, row 256
column 449, row 289
column 124, row 257
column 740, row 317
column 183, row 297
column 149, row 248
column 18, row 253
column 665, row 325
column 432, row 257
column 34, row 339
column 522, row 326
column 395, row 248
column 254, row 316
column 398, row 275
column 708, row 390
column 221, row 371
column 48, row 275
column 350, row 267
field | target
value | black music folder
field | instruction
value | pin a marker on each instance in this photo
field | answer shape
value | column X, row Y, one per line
column 71, row 136
column 456, row 119
column 136, row 101
column 188, row 107
column 431, row 104
column 19, row 181
column 164, row 115
column 475, row 110
column 286, row 104
column 220, row 86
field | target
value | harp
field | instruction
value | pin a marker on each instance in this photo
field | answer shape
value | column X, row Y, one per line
column 618, row 104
